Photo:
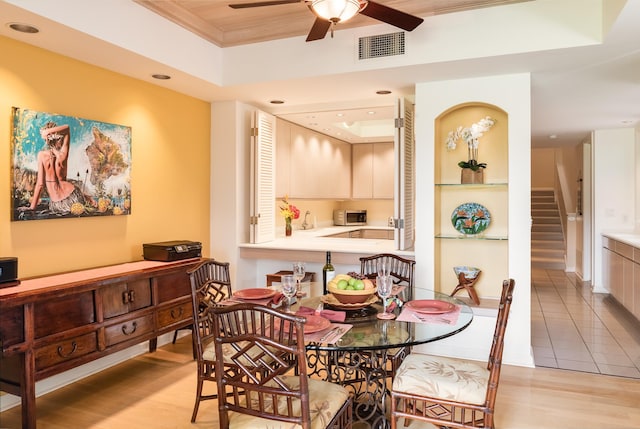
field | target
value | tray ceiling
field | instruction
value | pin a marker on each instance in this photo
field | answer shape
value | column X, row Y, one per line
column 216, row 22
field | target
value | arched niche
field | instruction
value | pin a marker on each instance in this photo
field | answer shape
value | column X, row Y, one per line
column 493, row 148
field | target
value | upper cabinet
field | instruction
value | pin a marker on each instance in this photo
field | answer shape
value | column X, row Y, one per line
column 311, row 165
column 373, row 170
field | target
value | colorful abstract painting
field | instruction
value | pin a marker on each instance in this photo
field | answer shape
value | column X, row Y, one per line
column 65, row 166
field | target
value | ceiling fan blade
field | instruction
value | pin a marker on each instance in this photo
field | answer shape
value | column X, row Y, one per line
column 318, row 30
column 391, row 16
column 261, row 3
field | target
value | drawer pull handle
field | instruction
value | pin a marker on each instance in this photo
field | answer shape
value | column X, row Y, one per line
column 74, row 347
column 128, row 297
column 179, row 313
column 124, row 328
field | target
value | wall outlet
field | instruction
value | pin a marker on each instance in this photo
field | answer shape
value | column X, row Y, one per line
column 391, row 222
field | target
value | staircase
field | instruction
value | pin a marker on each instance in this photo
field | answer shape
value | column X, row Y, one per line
column 547, row 238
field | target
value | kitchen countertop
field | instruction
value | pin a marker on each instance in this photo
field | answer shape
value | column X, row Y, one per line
column 315, row 240
column 629, row 238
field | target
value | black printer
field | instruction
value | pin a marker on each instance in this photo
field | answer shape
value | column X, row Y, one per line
column 167, row 251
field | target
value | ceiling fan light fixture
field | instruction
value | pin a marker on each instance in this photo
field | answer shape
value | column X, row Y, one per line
column 337, row 10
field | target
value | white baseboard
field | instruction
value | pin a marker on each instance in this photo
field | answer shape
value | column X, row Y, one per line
column 474, row 343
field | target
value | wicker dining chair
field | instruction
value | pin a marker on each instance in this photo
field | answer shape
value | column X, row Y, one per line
column 402, row 271
column 262, row 373
column 210, row 284
column 449, row 392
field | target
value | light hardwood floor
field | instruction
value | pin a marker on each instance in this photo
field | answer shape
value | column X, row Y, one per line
column 157, row 390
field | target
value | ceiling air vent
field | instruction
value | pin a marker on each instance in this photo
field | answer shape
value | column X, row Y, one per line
column 382, row 45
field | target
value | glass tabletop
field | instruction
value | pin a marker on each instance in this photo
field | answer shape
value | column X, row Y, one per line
column 413, row 328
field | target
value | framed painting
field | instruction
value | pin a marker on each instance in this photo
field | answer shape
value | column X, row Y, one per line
column 65, row 166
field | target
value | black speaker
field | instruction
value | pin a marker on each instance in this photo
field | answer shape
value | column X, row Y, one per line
column 8, row 269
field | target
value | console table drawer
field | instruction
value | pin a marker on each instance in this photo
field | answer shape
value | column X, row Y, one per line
column 128, row 330
column 175, row 314
column 65, row 350
column 172, row 286
column 62, row 313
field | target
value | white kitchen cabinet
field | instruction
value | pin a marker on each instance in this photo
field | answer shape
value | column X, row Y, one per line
column 621, row 271
column 362, row 170
column 616, row 276
column 318, row 166
column 373, row 169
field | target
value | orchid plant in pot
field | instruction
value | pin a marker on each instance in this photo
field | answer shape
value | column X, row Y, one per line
column 289, row 212
column 472, row 170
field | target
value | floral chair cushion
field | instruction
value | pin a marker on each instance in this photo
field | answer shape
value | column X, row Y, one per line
column 209, row 353
column 444, row 378
column 325, row 400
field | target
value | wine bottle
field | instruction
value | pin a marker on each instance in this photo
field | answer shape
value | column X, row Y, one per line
column 328, row 273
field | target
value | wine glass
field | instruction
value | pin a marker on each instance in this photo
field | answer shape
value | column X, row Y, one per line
column 383, row 268
column 298, row 274
column 384, row 285
column 288, row 289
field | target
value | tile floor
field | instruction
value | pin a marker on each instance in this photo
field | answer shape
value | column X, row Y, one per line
column 575, row 329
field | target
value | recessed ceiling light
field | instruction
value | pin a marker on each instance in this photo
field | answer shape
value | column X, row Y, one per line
column 371, row 112
column 383, row 92
column 553, row 136
column 340, row 115
column 161, row 76
column 23, row 28
column 276, row 101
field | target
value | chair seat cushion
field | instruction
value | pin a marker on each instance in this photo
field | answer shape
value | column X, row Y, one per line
column 209, row 353
column 443, row 378
column 325, row 400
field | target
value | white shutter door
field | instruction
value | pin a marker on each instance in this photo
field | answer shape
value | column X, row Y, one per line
column 263, row 191
column 405, row 176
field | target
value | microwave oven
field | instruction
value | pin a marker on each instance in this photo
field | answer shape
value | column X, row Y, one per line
column 349, row 217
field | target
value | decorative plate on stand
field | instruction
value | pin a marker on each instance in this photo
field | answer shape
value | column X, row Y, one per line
column 470, row 218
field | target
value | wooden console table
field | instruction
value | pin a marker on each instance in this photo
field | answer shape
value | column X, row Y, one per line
column 52, row 324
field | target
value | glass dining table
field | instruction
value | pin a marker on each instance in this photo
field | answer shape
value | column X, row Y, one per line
column 358, row 358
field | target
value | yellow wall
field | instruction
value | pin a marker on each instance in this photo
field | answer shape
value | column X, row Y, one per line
column 543, row 165
column 170, row 169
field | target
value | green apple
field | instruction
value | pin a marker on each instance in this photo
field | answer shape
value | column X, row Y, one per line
column 349, row 288
column 358, row 285
column 352, row 281
column 342, row 284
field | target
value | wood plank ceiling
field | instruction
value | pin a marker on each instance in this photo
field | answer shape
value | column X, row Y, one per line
column 216, row 22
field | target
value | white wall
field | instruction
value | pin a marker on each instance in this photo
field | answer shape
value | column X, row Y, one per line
column 230, row 163
column 512, row 93
column 587, row 214
column 614, row 193
column 637, row 177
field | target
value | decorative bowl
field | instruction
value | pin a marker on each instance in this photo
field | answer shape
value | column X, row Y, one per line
column 351, row 296
column 470, row 273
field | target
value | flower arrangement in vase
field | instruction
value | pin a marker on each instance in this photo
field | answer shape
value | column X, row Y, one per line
column 472, row 170
column 289, row 212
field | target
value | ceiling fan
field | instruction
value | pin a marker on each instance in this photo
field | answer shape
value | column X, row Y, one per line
column 330, row 12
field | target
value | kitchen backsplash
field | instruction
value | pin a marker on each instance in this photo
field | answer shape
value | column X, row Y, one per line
column 378, row 211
